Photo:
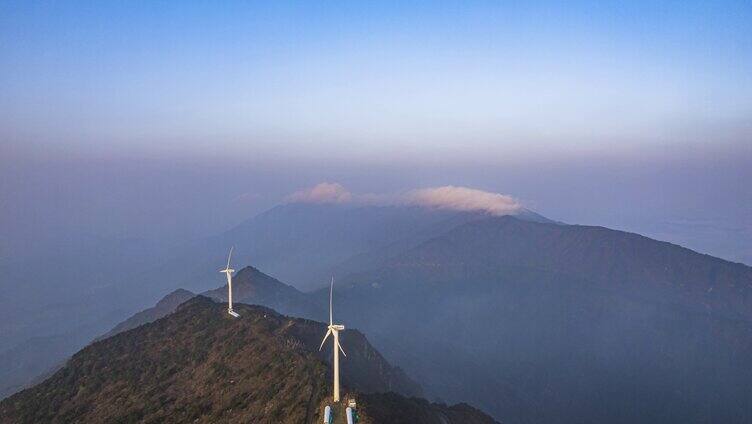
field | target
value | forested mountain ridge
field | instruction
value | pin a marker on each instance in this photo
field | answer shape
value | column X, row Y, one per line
column 198, row 364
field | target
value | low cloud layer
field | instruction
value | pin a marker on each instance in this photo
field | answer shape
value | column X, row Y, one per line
column 322, row 193
column 464, row 199
column 445, row 197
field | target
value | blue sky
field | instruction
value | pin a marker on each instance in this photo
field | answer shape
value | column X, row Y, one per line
column 357, row 80
column 139, row 118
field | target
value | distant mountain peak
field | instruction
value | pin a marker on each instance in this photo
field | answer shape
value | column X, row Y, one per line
column 174, row 298
column 253, row 287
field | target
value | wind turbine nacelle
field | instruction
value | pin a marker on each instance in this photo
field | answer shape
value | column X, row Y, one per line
column 227, row 271
column 337, row 327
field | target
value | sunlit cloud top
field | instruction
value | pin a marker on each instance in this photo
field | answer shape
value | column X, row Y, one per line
column 322, row 193
column 464, row 199
column 446, row 197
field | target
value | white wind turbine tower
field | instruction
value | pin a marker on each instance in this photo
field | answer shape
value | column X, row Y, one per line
column 228, row 271
column 334, row 330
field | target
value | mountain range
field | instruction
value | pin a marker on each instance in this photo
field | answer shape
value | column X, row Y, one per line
column 529, row 319
column 546, row 318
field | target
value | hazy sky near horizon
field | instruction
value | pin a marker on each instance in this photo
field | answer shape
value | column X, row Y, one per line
column 178, row 119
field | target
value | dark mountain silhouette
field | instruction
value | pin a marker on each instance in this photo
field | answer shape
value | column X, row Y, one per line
column 552, row 323
column 201, row 365
column 560, row 324
column 625, row 262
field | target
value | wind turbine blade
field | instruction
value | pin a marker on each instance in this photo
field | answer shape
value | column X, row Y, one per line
column 325, row 337
column 229, row 257
column 340, row 348
column 331, row 292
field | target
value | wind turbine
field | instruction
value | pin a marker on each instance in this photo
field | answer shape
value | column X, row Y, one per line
column 228, row 271
column 334, row 330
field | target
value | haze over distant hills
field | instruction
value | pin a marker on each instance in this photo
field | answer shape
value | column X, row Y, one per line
column 323, row 231
column 86, row 289
column 546, row 318
column 551, row 322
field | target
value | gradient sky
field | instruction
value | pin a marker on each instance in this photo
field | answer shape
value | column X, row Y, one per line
column 125, row 114
column 352, row 79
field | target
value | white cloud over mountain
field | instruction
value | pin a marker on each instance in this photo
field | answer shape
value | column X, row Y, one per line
column 445, row 197
column 322, row 193
column 464, row 199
